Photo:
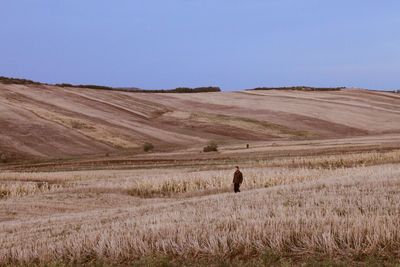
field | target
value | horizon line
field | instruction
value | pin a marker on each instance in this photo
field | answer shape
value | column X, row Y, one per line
column 132, row 88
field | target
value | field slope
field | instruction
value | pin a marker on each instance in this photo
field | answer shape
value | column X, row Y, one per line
column 49, row 122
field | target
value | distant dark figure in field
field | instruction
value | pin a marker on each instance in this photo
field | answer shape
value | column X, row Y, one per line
column 237, row 180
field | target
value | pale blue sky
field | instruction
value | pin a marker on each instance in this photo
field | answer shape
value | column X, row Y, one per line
column 234, row 44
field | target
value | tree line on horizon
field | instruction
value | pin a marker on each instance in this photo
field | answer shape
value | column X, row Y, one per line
column 204, row 89
column 8, row 80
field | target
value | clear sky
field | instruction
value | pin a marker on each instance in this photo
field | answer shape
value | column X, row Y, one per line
column 234, row 44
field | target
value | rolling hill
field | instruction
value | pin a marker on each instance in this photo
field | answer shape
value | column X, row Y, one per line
column 40, row 121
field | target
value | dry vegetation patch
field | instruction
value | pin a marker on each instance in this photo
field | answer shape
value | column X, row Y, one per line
column 18, row 189
column 19, row 184
column 345, row 160
column 216, row 181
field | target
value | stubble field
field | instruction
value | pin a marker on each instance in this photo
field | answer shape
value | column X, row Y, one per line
column 322, row 210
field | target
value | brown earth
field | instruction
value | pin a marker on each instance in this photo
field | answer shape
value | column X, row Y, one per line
column 43, row 122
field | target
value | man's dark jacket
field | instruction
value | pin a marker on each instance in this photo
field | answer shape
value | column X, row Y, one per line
column 238, row 177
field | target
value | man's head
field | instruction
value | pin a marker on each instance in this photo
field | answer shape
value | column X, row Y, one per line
column 237, row 168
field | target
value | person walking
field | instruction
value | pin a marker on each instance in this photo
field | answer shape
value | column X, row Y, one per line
column 237, row 180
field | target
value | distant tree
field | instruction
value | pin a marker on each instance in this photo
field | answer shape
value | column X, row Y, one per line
column 148, row 147
column 64, row 85
column 211, row 146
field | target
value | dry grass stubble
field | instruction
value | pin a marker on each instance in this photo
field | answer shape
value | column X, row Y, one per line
column 350, row 216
